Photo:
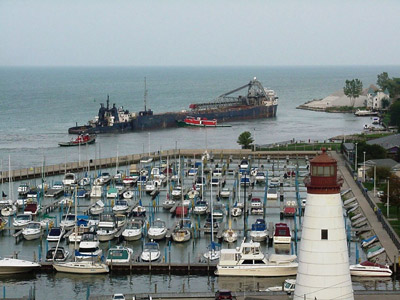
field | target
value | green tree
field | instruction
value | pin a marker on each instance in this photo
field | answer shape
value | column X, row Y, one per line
column 394, row 88
column 371, row 151
column 383, row 80
column 245, row 140
column 353, row 89
column 394, row 193
column 394, row 111
column 381, row 173
column 385, row 103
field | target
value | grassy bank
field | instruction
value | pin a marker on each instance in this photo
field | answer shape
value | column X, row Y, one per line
column 304, row 147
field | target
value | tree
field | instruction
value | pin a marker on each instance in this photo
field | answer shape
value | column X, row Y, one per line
column 381, row 173
column 394, row 192
column 371, row 151
column 385, row 103
column 383, row 80
column 245, row 140
column 353, row 90
column 394, row 111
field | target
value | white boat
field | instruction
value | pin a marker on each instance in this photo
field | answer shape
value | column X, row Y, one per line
column 20, row 221
column 157, row 230
column 365, row 113
column 374, row 251
column 192, row 172
column 128, row 194
column 182, row 233
column 97, row 208
column 282, row 234
column 348, row 202
column 359, row 222
column 369, row 241
column 96, row 191
column 230, row 235
column 168, row 203
column 107, row 228
column 32, row 231
column 200, row 208
column 213, row 251
column 67, row 221
column 23, row 188
column 225, row 193
column 259, row 231
column 272, row 194
column 32, row 208
column 9, row 210
column 260, row 177
column 55, row 234
column 120, row 220
column 16, row 266
column 139, row 211
column 236, row 212
column 119, row 255
column 370, row 269
column 60, row 255
column 288, row 287
column 84, row 181
column 134, row 230
column 69, row 179
column 81, row 267
column 248, row 260
column 150, row 186
column 89, row 247
column 244, row 164
column 151, row 252
column 146, row 159
column 193, row 193
column 120, row 206
column 177, row 192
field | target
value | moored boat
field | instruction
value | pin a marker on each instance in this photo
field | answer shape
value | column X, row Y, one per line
column 370, row 269
column 81, row 267
column 80, row 140
column 16, row 266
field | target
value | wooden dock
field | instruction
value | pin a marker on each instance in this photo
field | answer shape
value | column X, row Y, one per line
column 218, row 154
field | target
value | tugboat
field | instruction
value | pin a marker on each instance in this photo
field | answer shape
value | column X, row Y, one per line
column 82, row 139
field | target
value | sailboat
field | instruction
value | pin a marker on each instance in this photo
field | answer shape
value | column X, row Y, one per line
column 182, row 231
column 80, row 267
column 214, row 249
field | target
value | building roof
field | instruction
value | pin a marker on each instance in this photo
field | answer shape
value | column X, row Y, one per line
column 348, row 146
column 385, row 162
column 323, row 158
column 387, row 142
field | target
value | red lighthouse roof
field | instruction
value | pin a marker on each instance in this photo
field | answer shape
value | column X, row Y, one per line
column 323, row 178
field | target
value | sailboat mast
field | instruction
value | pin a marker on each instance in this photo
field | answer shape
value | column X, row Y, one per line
column 145, row 95
column 212, row 211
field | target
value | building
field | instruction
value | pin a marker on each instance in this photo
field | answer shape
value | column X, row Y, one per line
column 393, row 165
column 323, row 271
column 375, row 98
column 391, row 143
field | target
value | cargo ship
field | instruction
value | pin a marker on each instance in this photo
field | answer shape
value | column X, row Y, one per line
column 259, row 102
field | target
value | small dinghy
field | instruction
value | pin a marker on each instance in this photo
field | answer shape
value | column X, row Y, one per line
column 374, row 251
column 369, row 241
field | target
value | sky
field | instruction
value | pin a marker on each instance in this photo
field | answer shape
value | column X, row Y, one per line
column 199, row 33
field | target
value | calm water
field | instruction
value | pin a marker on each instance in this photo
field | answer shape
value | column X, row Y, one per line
column 39, row 104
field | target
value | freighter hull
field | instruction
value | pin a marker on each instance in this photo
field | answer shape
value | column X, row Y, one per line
column 169, row 119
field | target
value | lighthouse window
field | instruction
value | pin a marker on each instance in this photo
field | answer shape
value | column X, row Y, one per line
column 326, row 171
column 324, row 234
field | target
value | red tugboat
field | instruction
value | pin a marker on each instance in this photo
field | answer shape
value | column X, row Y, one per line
column 201, row 122
column 82, row 139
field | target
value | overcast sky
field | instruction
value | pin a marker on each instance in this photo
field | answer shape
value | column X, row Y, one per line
column 199, row 33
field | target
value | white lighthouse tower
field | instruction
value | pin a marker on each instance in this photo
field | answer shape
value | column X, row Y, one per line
column 323, row 271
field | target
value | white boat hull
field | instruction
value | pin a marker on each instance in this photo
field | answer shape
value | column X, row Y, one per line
column 81, row 268
column 370, row 273
column 257, row 271
column 131, row 235
column 16, row 266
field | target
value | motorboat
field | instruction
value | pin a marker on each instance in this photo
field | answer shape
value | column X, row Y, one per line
column 151, row 252
column 260, row 177
column 236, row 212
column 218, row 211
column 192, row 172
column 198, row 121
column 107, row 228
column 182, row 232
column 217, row 172
column 55, row 234
column 104, row 178
column 21, row 220
column 200, row 208
column 96, row 191
column 58, row 185
column 365, row 113
column 369, row 241
column 259, row 231
column 213, row 251
column 80, row 140
column 9, row 210
column 81, row 267
column 134, row 230
column 282, row 234
column 157, row 230
column 112, row 193
column 57, row 254
column 230, row 235
column 97, row 208
column 272, row 194
column 127, row 194
column 68, row 221
column 82, row 193
column 16, row 266
column 168, row 203
column 146, row 160
column 23, row 188
column 119, row 255
column 139, row 211
column 256, row 203
column 287, row 287
column 200, row 182
column 177, row 192
column 225, row 193
column 150, row 186
column 349, row 202
column 85, row 181
column 244, row 164
column 370, row 269
column 248, row 260
column 89, row 247
column 32, row 231
column 193, row 193
column 245, row 181
column 374, row 251
column 69, row 179
column 120, row 220
column 120, row 206
column 32, row 208
column 214, row 224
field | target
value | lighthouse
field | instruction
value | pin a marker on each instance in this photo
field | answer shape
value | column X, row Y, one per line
column 323, row 271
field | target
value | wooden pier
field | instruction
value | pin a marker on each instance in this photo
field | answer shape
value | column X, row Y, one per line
column 101, row 163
